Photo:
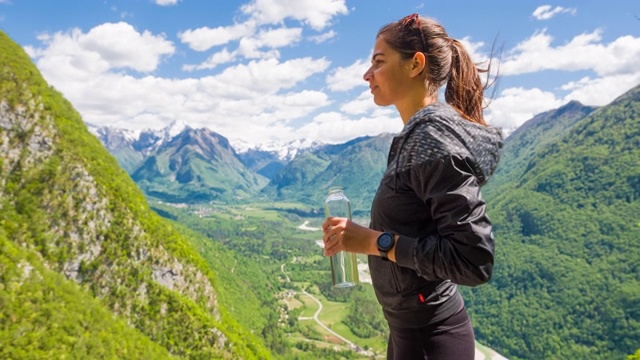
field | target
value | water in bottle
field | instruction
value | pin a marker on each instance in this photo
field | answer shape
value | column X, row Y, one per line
column 344, row 266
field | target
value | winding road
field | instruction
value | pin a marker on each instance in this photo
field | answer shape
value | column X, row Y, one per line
column 315, row 316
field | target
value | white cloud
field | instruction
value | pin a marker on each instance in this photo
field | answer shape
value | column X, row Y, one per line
column 204, row 38
column 614, row 67
column 514, row 106
column 221, row 57
column 290, row 106
column 166, row 2
column 335, row 127
column 275, row 38
column 75, row 56
column 250, row 49
column 347, row 78
column 269, row 76
column 474, row 49
column 361, row 105
column 583, row 52
column 250, row 45
column 319, row 39
column 257, row 42
column 546, row 12
column 317, row 14
column 252, row 101
column 122, row 46
column 600, row 91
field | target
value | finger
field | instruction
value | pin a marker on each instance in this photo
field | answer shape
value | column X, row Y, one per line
column 332, row 248
column 328, row 248
column 327, row 238
column 326, row 225
column 330, row 222
column 332, row 242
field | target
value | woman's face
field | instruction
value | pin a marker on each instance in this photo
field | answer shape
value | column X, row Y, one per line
column 388, row 75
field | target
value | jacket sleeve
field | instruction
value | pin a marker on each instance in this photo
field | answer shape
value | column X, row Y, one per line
column 462, row 250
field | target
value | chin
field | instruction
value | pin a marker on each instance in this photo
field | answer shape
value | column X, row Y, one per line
column 380, row 102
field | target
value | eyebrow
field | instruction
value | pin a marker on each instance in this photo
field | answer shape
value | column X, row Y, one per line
column 373, row 57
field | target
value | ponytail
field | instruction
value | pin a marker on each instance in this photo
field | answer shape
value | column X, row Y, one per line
column 465, row 91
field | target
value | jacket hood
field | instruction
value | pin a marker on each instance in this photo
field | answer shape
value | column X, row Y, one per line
column 482, row 144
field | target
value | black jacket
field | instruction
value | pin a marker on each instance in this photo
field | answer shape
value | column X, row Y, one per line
column 430, row 197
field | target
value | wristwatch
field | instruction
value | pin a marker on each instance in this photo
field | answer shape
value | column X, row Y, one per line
column 385, row 243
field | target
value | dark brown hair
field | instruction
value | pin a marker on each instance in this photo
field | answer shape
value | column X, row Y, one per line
column 447, row 61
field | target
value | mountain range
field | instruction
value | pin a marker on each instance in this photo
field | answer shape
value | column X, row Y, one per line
column 180, row 164
column 88, row 270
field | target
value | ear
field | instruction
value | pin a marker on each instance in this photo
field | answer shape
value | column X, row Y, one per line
column 418, row 64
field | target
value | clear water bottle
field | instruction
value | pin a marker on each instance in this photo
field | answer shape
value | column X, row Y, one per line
column 344, row 266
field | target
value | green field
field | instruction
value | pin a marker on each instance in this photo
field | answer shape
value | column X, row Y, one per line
column 279, row 228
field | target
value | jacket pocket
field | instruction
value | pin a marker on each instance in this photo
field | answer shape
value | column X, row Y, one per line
column 407, row 282
column 395, row 277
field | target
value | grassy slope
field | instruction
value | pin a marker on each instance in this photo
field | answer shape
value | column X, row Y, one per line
column 49, row 193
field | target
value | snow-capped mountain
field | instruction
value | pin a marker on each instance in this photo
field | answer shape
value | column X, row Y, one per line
column 268, row 159
column 151, row 140
column 143, row 141
column 132, row 147
column 283, row 151
column 114, row 138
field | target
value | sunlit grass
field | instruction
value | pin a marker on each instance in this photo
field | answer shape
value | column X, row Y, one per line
column 309, row 306
column 293, row 303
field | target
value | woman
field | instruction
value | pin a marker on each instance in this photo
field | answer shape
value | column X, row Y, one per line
column 429, row 229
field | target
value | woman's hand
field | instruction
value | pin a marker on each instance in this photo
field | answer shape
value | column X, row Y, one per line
column 342, row 234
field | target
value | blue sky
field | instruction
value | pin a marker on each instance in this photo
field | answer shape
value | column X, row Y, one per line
column 260, row 71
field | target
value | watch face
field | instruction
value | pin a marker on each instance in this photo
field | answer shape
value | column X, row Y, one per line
column 385, row 241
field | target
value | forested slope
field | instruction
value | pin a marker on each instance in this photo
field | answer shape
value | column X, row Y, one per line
column 567, row 226
column 87, row 270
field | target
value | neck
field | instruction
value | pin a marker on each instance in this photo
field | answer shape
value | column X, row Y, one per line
column 408, row 109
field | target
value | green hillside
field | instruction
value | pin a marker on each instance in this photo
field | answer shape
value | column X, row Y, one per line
column 357, row 166
column 45, row 316
column 533, row 136
column 567, row 225
column 87, row 270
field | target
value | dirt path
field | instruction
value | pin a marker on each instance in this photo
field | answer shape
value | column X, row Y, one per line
column 305, row 227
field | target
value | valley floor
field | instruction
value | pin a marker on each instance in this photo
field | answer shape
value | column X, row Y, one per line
column 482, row 352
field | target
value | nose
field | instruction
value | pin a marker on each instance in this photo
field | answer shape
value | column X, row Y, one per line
column 367, row 75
